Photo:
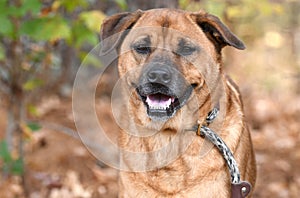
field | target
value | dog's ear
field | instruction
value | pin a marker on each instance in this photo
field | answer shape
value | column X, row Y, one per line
column 216, row 31
column 113, row 26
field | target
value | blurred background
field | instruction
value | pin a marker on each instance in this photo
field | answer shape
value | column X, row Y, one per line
column 43, row 43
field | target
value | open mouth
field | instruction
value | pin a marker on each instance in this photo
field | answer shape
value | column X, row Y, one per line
column 160, row 102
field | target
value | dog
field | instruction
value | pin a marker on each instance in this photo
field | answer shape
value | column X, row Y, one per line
column 170, row 63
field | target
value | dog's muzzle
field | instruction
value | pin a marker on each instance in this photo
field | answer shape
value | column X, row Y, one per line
column 163, row 92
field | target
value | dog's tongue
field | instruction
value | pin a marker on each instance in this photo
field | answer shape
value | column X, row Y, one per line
column 159, row 101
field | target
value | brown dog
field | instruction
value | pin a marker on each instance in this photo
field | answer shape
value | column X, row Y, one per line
column 170, row 63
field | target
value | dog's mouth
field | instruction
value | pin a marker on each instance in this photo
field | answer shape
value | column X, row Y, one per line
column 161, row 102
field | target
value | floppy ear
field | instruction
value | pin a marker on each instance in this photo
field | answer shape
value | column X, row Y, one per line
column 112, row 27
column 216, row 31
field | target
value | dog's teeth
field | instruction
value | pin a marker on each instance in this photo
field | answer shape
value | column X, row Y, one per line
column 159, row 104
column 158, row 107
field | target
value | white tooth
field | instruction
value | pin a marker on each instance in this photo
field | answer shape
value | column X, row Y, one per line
column 160, row 106
column 169, row 102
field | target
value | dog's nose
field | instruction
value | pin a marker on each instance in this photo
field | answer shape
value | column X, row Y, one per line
column 159, row 75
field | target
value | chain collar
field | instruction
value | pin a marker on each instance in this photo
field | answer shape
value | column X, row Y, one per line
column 239, row 189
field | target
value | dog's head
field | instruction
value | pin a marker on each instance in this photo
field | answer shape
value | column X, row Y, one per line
column 167, row 57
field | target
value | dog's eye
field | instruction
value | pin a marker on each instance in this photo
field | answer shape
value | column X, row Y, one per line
column 142, row 49
column 186, row 50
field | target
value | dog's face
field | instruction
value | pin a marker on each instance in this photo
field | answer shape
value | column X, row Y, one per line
column 167, row 60
column 161, row 59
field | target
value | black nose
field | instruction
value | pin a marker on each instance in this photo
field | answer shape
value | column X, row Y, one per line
column 159, row 75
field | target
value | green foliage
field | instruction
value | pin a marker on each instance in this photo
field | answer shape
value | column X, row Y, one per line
column 85, row 29
column 6, row 26
column 216, row 7
column 183, row 4
column 34, row 126
column 4, row 153
column 2, row 52
column 10, row 165
column 46, row 28
column 72, row 5
column 122, row 4
column 7, row 13
column 17, row 167
column 82, row 35
column 28, row 6
column 32, row 84
column 51, row 25
column 32, row 110
column 92, row 19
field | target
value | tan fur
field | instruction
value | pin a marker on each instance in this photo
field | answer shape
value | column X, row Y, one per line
column 190, row 175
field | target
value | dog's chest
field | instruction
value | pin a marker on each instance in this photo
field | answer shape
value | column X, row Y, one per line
column 200, row 168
